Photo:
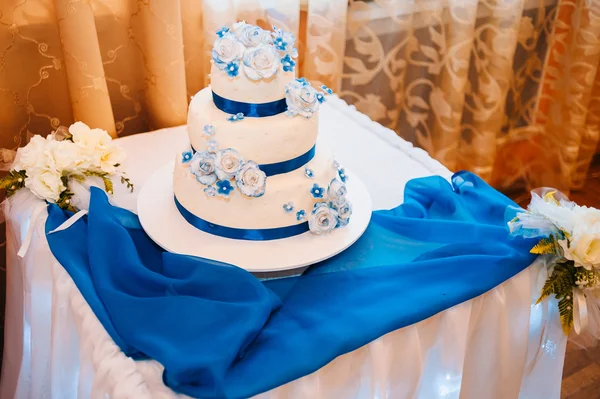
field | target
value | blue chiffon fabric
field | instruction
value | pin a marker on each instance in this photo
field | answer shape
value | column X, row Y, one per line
column 222, row 333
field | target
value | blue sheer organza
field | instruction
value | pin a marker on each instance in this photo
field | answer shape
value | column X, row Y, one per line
column 222, row 333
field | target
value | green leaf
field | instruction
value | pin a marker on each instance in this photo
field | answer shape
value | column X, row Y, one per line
column 108, row 184
column 546, row 246
column 561, row 281
column 13, row 181
column 565, row 310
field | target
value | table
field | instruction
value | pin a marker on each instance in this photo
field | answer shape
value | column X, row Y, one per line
column 499, row 345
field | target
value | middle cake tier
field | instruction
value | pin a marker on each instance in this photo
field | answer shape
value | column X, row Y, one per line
column 266, row 140
column 285, row 195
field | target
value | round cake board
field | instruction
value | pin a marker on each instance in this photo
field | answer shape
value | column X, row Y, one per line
column 164, row 224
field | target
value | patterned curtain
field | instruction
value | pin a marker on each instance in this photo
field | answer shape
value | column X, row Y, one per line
column 508, row 89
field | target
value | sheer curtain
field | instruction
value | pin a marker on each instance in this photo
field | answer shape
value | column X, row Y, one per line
column 508, row 89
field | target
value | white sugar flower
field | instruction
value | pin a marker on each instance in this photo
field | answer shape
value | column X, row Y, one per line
column 227, row 49
column 322, row 219
column 301, row 98
column 251, row 35
column 344, row 210
column 227, row 163
column 337, row 191
column 32, row 156
column 202, row 166
column 250, row 180
column 46, row 184
column 261, row 62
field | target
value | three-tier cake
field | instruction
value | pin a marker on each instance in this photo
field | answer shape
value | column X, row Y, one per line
column 255, row 168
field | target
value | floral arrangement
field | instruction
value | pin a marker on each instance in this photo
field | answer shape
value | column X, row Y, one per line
column 570, row 236
column 49, row 166
column 303, row 99
column 257, row 52
column 220, row 170
column 331, row 209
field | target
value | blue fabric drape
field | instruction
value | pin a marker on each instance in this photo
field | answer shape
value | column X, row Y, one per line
column 222, row 333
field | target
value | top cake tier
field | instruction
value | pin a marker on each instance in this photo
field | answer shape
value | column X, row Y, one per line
column 252, row 65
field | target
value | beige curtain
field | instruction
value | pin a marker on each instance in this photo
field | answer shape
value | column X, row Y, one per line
column 508, row 89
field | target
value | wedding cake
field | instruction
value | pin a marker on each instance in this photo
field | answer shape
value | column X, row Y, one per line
column 255, row 168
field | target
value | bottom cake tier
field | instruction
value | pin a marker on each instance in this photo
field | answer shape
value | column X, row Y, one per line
column 287, row 201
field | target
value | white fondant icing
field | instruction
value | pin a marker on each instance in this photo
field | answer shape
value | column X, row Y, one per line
column 256, row 213
column 241, row 88
column 265, row 140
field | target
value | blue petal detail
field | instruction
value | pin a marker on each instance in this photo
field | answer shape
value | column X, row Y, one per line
column 342, row 174
column 210, row 191
column 316, row 191
column 186, row 156
column 288, row 63
column 308, row 172
column 208, row 130
column 232, row 69
column 326, row 89
column 221, row 32
column 224, row 187
column 280, row 44
column 320, row 97
column 300, row 215
column 288, row 208
column 237, row 117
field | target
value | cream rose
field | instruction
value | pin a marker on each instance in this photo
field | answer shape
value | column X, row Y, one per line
column 46, row 184
column 96, row 148
column 583, row 247
column 64, row 156
column 261, row 62
column 31, row 157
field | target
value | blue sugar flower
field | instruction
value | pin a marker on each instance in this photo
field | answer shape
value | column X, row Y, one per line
column 224, row 187
column 288, row 208
column 316, row 191
column 302, row 81
column 342, row 175
column 300, row 215
column 208, row 130
column 284, row 42
column 186, row 156
column 320, row 97
column 237, row 117
column 326, row 89
column 280, row 44
column 212, row 145
column 232, row 69
column 288, row 63
column 308, row 172
column 210, row 191
column 221, row 32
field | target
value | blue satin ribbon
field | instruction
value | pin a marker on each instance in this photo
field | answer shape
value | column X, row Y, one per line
column 241, row 234
column 272, row 169
column 249, row 109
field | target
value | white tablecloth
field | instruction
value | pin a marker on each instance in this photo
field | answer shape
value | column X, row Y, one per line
column 497, row 345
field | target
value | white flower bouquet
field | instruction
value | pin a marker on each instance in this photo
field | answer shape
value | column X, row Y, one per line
column 570, row 236
column 49, row 166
